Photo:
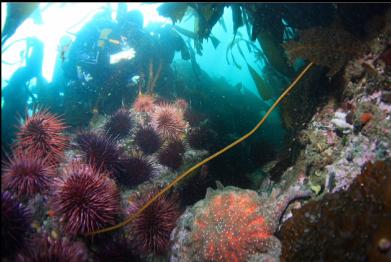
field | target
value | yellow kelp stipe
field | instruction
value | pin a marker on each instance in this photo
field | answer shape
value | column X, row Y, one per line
column 182, row 176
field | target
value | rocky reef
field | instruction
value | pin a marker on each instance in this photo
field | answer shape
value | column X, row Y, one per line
column 352, row 224
column 346, row 158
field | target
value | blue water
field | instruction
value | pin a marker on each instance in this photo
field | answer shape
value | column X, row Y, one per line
column 60, row 22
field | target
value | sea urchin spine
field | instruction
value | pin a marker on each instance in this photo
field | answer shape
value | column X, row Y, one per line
column 181, row 104
column 147, row 140
column 137, row 169
column 27, row 175
column 118, row 249
column 144, row 103
column 153, row 227
column 41, row 135
column 168, row 121
column 86, row 199
column 120, row 124
column 43, row 248
column 172, row 155
column 100, row 151
column 199, row 137
column 15, row 222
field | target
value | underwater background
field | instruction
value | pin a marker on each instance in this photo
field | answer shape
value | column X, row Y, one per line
column 196, row 132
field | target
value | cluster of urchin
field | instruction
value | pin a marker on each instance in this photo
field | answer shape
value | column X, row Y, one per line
column 83, row 194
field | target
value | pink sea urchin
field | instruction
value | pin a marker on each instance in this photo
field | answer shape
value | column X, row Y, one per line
column 168, row 121
column 86, row 199
column 181, row 104
column 144, row 103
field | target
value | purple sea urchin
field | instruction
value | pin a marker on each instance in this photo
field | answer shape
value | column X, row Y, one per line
column 172, row 155
column 120, row 124
column 86, row 199
column 198, row 138
column 152, row 228
column 100, row 151
column 168, row 121
column 45, row 249
column 193, row 118
column 194, row 187
column 27, row 175
column 118, row 249
column 41, row 135
column 15, row 222
column 137, row 169
column 147, row 140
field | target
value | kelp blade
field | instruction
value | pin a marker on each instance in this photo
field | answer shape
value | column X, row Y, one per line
column 260, row 84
